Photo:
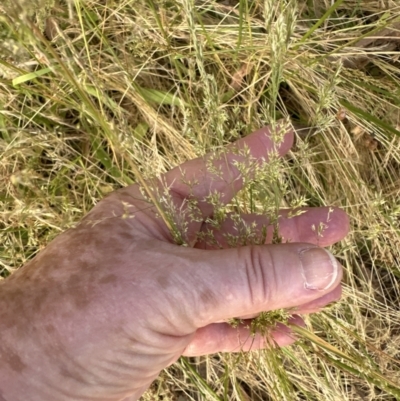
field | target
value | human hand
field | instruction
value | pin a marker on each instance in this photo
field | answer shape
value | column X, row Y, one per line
column 109, row 304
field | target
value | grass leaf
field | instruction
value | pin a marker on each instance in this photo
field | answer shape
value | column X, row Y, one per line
column 160, row 97
column 30, row 76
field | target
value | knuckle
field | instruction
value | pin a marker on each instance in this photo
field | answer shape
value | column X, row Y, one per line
column 260, row 274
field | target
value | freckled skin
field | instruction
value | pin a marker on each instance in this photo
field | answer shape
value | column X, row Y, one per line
column 50, row 328
column 107, row 305
column 12, row 359
column 163, row 281
column 207, row 297
column 108, row 279
column 78, row 266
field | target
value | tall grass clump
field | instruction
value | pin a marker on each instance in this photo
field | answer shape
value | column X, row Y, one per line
column 96, row 94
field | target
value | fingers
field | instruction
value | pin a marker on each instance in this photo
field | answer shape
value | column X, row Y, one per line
column 318, row 304
column 184, row 190
column 201, row 177
column 250, row 279
column 222, row 337
column 320, row 226
column 310, row 307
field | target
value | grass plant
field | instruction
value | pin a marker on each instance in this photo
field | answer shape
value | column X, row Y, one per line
column 98, row 94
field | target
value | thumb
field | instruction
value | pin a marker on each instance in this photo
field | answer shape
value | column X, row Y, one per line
column 251, row 279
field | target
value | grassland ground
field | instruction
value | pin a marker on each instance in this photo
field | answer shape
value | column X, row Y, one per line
column 95, row 94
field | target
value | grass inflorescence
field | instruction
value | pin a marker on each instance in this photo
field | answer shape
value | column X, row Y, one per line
column 95, row 95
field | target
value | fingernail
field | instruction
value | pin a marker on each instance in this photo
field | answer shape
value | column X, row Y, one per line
column 320, row 268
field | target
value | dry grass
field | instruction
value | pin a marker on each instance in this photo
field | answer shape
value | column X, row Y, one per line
column 88, row 87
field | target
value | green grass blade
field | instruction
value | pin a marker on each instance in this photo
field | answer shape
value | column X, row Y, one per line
column 30, row 76
column 369, row 117
column 327, row 14
column 160, row 97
